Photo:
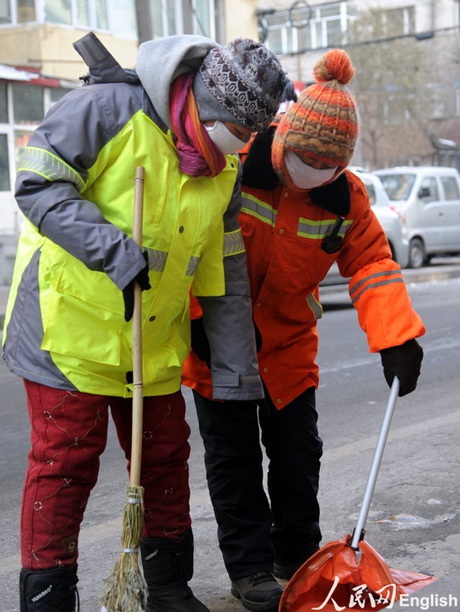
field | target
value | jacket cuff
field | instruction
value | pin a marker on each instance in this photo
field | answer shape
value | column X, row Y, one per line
column 237, row 387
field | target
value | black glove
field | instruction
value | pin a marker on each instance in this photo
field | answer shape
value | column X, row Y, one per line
column 403, row 362
column 142, row 279
column 200, row 342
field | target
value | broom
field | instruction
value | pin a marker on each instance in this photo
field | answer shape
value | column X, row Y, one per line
column 126, row 587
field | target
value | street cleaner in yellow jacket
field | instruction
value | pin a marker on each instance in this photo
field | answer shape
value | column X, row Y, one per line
column 185, row 111
column 302, row 211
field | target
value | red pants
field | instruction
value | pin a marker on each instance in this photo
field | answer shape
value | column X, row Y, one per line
column 68, row 435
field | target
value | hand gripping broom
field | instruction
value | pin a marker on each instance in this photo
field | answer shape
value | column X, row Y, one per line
column 126, row 588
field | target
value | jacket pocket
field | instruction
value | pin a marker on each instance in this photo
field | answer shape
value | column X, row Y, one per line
column 76, row 328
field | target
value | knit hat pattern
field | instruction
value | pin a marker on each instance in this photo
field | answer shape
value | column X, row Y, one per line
column 242, row 82
column 323, row 124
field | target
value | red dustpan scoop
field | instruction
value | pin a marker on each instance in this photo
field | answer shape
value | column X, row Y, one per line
column 348, row 573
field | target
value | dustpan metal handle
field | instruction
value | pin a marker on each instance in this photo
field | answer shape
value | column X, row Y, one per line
column 362, row 518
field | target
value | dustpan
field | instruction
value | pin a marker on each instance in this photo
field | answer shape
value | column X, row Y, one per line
column 348, row 573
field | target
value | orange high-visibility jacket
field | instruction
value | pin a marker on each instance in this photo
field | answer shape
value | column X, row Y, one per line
column 284, row 234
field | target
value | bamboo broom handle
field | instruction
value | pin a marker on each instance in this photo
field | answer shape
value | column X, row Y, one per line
column 138, row 392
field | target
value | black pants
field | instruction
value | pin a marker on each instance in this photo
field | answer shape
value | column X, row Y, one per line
column 252, row 530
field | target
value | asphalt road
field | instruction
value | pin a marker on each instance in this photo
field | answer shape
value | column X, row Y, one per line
column 413, row 521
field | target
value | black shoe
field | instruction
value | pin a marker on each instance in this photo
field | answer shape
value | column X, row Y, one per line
column 258, row 592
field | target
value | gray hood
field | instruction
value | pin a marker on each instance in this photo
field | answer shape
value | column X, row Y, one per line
column 160, row 61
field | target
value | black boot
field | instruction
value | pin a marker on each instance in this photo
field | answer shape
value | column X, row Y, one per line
column 52, row 590
column 168, row 566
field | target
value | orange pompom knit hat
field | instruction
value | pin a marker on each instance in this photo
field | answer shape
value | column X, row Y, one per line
column 323, row 123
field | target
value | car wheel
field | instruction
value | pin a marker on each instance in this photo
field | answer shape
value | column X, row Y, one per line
column 417, row 255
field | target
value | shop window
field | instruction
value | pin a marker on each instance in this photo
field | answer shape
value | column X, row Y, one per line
column 123, row 19
column 305, row 27
column 4, row 164
column 26, row 11
column 58, row 11
column 83, row 13
column 27, row 104
column 3, row 104
column 5, row 11
column 202, row 22
column 398, row 21
column 101, row 15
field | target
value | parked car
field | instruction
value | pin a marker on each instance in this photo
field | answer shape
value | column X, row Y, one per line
column 429, row 199
column 392, row 222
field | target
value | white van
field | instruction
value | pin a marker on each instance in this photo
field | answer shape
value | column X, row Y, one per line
column 429, row 198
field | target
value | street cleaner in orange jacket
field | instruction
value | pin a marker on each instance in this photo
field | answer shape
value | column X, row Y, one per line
column 302, row 211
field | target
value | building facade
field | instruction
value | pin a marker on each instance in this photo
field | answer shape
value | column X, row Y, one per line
column 405, row 52
column 407, row 81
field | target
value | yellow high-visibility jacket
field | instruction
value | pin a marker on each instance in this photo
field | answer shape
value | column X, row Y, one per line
column 65, row 322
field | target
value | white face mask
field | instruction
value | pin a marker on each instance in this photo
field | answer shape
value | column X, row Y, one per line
column 304, row 176
column 224, row 140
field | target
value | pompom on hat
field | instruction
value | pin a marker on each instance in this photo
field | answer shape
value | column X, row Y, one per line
column 323, row 123
column 242, row 82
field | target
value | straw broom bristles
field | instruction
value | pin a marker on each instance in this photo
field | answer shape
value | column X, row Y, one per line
column 126, row 587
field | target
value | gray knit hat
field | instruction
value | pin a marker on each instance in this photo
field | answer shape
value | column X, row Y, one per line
column 243, row 83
